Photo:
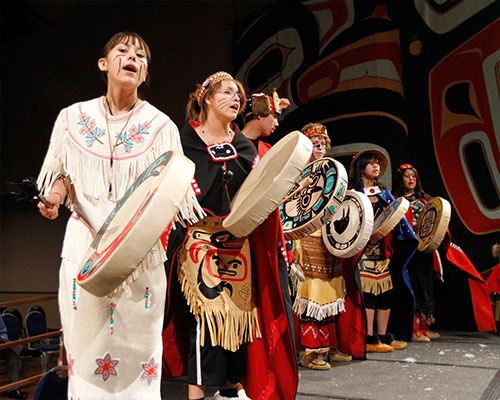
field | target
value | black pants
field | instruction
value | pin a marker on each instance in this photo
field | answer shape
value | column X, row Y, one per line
column 421, row 272
column 212, row 365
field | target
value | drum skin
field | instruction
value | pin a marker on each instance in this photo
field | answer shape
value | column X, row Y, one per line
column 268, row 183
column 136, row 223
column 351, row 227
column 307, row 210
column 432, row 224
column 389, row 218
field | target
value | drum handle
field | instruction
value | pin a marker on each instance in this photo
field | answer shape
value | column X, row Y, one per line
column 302, row 186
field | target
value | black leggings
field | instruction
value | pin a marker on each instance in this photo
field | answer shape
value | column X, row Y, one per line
column 382, row 301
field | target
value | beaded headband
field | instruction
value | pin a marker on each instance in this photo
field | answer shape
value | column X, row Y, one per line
column 211, row 81
column 317, row 130
column 405, row 166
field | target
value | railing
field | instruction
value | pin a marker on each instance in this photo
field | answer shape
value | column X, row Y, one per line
column 6, row 345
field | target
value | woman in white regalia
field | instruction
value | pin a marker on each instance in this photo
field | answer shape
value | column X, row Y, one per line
column 97, row 150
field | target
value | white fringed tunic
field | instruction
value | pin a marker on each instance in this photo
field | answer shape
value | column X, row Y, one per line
column 113, row 343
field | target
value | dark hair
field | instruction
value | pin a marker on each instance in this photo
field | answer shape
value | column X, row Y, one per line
column 196, row 113
column 356, row 180
column 125, row 37
column 419, row 190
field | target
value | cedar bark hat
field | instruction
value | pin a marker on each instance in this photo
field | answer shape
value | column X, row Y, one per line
column 382, row 159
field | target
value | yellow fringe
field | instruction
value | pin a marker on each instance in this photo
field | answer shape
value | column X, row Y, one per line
column 228, row 328
column 376, row 286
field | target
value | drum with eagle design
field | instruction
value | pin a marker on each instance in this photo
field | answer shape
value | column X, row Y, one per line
column 351, row 226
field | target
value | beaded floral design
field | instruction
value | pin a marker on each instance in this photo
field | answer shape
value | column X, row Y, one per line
column 129, row 138
column 150, row 370
column 133, row 136
column 89, row 129
column 106, row 367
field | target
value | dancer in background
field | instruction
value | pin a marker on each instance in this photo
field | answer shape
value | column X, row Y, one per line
column 421, row 266
column 377, row 278
column 261, row 120
column 320, row 297
column 459, row 286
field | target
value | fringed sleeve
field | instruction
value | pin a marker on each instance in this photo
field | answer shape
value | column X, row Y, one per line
column 190, row 209
column 53, row 168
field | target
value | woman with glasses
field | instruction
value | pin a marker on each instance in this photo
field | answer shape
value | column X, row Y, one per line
column 320, row 297
column 213, row 276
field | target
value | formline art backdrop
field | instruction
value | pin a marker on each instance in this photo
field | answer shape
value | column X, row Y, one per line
column 417, row 79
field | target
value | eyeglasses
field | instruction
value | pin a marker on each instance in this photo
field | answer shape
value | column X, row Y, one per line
column 319, row 146
column 231, row 93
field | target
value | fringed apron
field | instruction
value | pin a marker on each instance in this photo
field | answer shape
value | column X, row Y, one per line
column 214, row 269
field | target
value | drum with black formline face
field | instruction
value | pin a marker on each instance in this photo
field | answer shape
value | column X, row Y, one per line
column 136, row 223
column 432, row 224
column 351, row 227
column 314, row 199
column 387, row 220
column 268, row 183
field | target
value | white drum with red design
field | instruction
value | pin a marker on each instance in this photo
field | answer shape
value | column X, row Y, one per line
column 351, row 226
column 432, row 224
column 311, row 205
column 389, row 218
column 268, row 183
column 136, row 223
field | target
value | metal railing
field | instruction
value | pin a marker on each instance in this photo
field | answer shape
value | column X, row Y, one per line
column 35, row 378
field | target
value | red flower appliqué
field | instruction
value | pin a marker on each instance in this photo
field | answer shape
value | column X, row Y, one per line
column 71, row 363
column 150, row 370
column 106, row 367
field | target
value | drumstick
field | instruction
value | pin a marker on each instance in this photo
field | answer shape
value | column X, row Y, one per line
column 303, row 185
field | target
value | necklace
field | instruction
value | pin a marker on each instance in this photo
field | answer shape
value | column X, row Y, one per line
column 209, row 136
column 113, row 148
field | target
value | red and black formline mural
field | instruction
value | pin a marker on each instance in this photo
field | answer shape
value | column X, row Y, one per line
column 418, row 80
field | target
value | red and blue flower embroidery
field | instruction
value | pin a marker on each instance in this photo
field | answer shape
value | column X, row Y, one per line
column 150, row 370
column 106, row 367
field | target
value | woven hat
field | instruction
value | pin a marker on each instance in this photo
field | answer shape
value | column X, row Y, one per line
column 378, row 154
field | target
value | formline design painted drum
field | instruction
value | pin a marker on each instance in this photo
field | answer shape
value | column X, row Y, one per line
column 432, row 224
column 136, row 223
column 309, row 208
column 351, row 227
column 389, row 218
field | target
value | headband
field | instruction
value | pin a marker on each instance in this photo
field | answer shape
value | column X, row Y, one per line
column 316, row 130
column 210, row 82
column 406, row 166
